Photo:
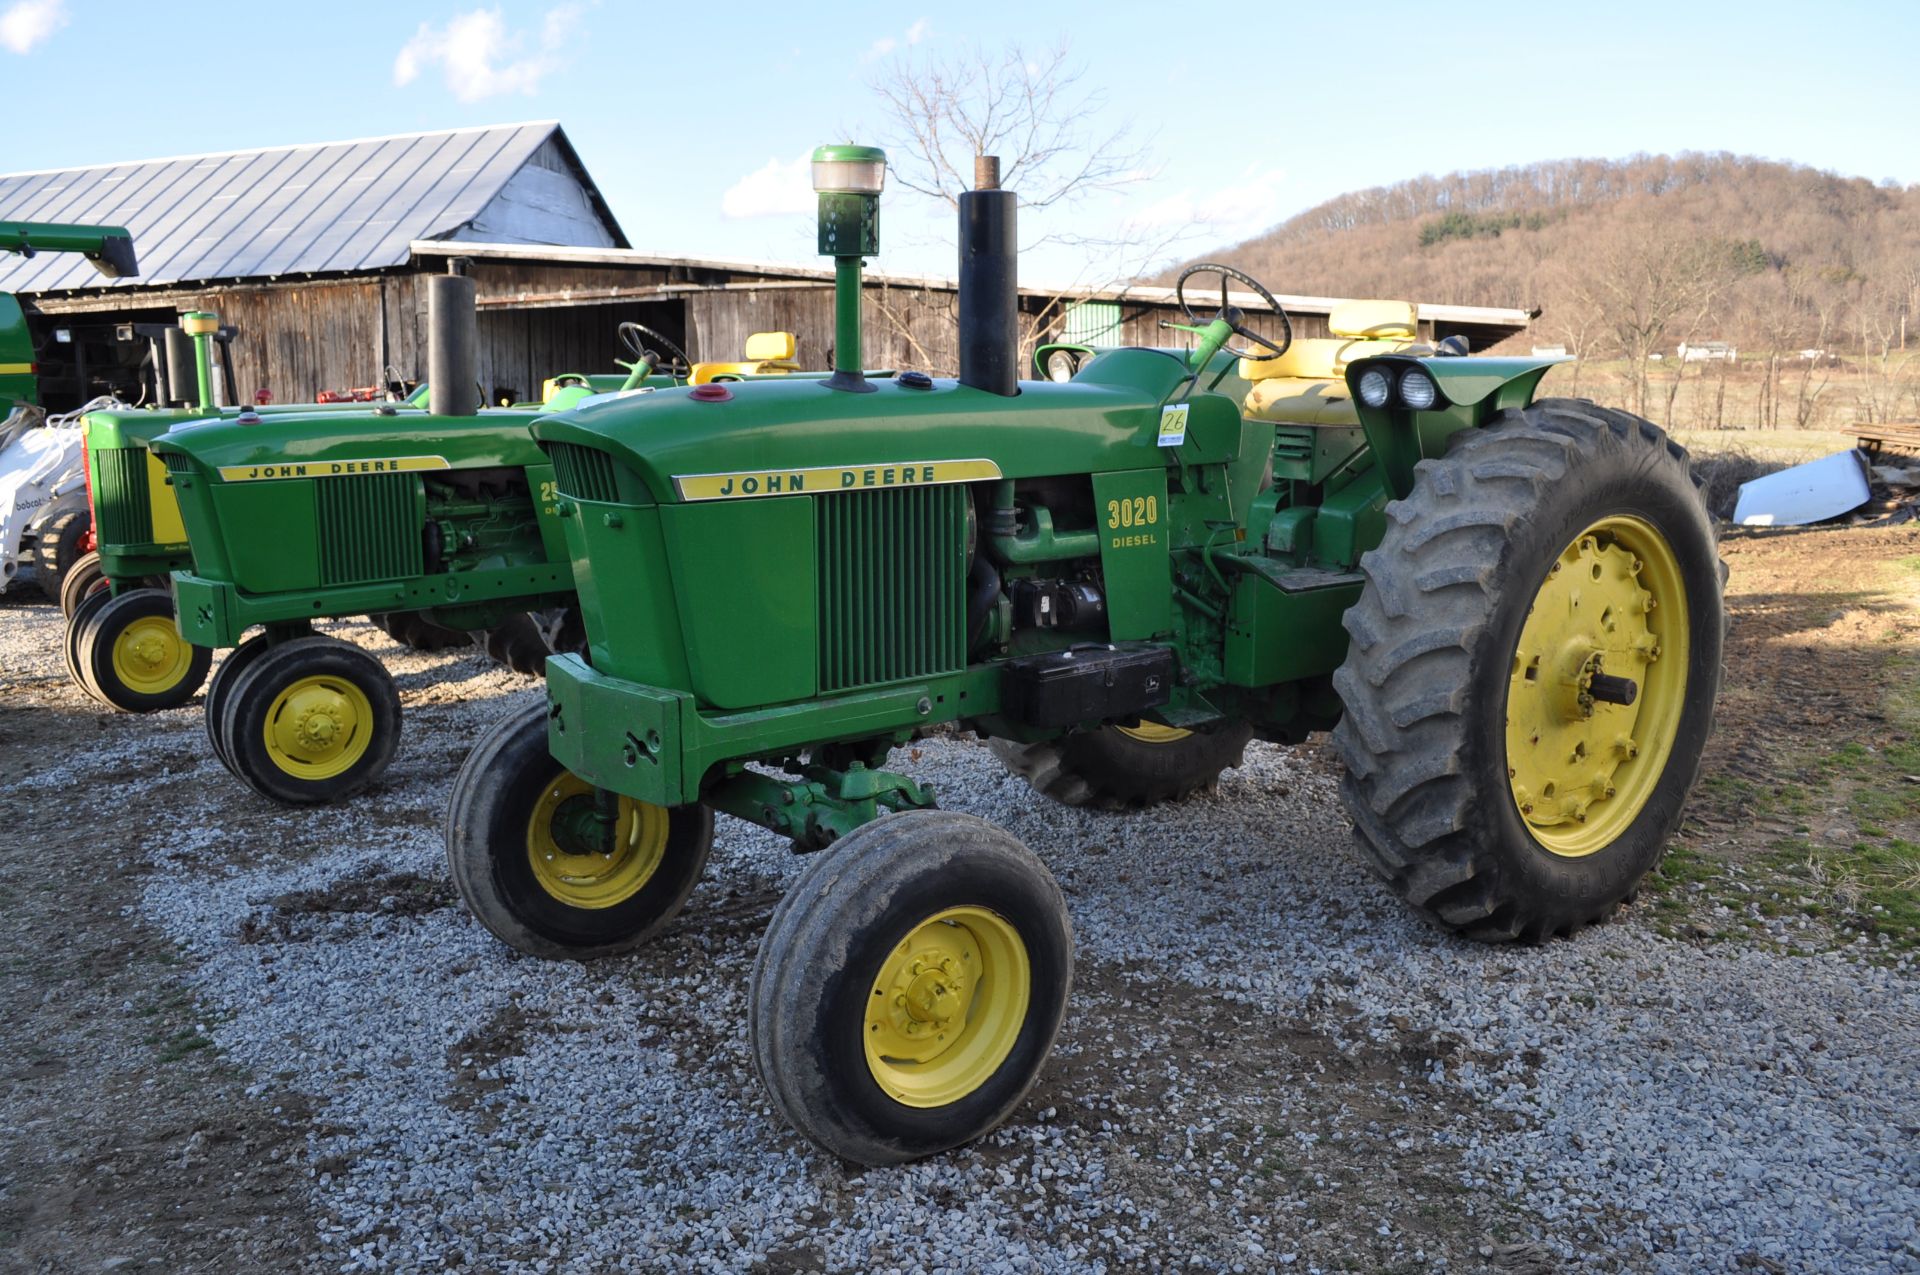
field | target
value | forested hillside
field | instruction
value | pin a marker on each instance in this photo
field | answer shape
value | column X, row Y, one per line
column 1630, row 258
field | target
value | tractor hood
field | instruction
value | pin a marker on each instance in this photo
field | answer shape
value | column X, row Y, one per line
column 322, row 444
column 684, row 444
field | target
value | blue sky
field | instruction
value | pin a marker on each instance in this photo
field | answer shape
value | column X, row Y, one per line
column 693, row 118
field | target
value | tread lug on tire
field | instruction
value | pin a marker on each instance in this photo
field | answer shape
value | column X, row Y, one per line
column 534, row 886
column 309, row 720
column 56, row 548
column 1492, row 782
column 1109, row 769
column 131, row 656
column 908, row 928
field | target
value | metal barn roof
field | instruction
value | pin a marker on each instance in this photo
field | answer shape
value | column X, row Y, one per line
column 334, row 207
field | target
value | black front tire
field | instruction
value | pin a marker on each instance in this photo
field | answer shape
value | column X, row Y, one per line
column 225, row 678
column 490, row 832
column 326, row 747
column 131, row 656
column 77, row 623
column 1435, row 638
column 83, row 579
column 828, row 942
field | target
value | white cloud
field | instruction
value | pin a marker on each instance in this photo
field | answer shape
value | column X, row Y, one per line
column 1235, row 211
column 888, row 43
column 29, row 22
column 477, row 54
column 780, row 188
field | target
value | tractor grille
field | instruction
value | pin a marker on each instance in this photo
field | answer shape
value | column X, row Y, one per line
column 583, row 473
column 893, row 584
column 177, row 462
column 120, row 496
column 369, row 528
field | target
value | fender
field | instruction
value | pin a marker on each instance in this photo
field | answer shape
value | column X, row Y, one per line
column 1472, row 392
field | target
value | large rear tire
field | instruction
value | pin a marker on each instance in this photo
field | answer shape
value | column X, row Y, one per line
column 910, row 986
column 414, row 630
column 1534, row 662
column 1126, row 767
column 520, row 847
column 60, row 542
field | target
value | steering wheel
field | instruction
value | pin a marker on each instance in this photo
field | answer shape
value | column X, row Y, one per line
column 1235, row 317
column 634, row 336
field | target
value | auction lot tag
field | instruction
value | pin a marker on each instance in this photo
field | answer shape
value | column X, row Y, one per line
column 1173, row 424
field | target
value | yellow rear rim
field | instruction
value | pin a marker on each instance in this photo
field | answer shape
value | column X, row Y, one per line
column 318, row 727
column 149, row 657
column 595, row 880
column 1582, row 769
column 947, row 1007
column 1154, row 733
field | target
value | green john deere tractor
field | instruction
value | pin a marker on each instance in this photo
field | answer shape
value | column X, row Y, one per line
column 441, row 522
column 1507, row 611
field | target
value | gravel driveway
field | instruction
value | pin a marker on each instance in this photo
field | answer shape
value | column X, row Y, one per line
column 1267, row 1064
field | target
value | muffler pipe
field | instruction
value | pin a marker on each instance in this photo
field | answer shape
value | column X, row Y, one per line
column 989, row 287
column 453, row 347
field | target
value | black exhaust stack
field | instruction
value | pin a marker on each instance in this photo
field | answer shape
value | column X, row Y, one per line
column 989, row 288
column 453, row 345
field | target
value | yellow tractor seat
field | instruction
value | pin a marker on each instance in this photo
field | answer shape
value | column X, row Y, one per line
column 1307, row 385
column 765, row 353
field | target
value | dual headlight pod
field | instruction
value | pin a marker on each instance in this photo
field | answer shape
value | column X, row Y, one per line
column 1414, row 388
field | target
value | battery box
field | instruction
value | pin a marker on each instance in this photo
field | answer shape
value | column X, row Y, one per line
column 1090, row 683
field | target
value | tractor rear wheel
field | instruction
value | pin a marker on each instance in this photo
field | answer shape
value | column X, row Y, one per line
column 1534, row 662
column 540, row 871
column 131, row 656
column 224, row 679
column 1125, row 767
column 60, row 542
column 414, row 630
column 84, row 577
column 517, row 643
column 310, row 720
column 910, row 986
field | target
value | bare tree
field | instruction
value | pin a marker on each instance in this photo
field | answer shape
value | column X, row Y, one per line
column 1035, row 113
column 1645, row 284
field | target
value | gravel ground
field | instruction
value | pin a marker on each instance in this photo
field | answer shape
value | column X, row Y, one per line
column 1268, row 1064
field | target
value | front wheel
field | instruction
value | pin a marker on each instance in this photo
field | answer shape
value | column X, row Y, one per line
column 1534, row 662
column 310, row 720
column 910, row 986
column 82, row 580
column 130, row 654
column 554, row 869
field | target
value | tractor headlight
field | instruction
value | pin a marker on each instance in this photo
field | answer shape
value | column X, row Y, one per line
column 1061, row 365
column 1417, row 390
column 1375, row 385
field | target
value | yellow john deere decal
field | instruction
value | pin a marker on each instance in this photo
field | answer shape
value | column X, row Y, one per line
column 787, row 482
column 15, row 369
column 331, row 468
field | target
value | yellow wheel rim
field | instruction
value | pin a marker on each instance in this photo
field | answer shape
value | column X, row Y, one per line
column 149, row 657
column 947, row 1007
column 595, row 880
column 1613, row 604
column 318, row 727
column 1154, row 733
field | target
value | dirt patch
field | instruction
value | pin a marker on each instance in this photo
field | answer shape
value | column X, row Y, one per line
column 125, row 1138
column 293, row 917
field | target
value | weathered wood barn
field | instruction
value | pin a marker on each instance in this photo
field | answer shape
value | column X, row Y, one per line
column 317, row 256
